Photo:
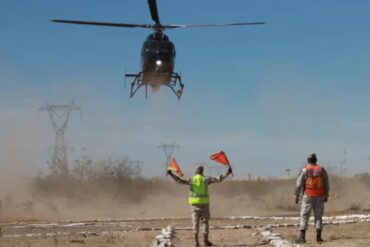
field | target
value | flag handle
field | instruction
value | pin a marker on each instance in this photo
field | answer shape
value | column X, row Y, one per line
column 232, row 174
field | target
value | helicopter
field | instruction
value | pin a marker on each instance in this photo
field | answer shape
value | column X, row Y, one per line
column 157, row 54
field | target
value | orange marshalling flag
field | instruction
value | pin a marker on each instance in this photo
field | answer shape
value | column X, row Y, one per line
column 220, row 158
column 175, row 167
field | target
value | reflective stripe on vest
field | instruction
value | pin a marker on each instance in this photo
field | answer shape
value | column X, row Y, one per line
column 314, row 181
column 198, row 190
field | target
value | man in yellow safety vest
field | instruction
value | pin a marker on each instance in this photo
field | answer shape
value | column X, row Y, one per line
column 199, row 200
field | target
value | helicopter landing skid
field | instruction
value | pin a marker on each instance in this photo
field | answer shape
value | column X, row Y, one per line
column 173, row 83
column 137, row 83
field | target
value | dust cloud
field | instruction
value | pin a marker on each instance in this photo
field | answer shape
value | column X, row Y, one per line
column 115, row 189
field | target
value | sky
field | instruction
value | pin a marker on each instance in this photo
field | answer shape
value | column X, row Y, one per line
column 267, row 95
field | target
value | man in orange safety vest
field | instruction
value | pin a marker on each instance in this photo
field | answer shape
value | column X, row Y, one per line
column 313, row 184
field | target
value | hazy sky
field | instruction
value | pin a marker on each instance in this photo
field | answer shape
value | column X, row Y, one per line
column 267, row 95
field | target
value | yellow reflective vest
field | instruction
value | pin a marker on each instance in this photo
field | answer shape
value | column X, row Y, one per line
column 198, row 190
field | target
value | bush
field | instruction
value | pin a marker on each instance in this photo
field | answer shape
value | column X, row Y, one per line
column 117, row 179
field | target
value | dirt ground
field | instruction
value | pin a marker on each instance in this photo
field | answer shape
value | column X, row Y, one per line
column 237, row 237
column 134, row 239
column 135, row 233
column 120, row 233
column 349, row 235
column 45, row 212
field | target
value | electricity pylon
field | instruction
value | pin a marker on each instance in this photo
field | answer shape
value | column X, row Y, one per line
column 59, row 116
column 168, row 150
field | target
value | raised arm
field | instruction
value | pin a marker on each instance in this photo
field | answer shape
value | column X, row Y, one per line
column 178, row 179
column 212, row 180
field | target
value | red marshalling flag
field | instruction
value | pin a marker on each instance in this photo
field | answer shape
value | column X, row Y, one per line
column 220, row 158
column 173, row 166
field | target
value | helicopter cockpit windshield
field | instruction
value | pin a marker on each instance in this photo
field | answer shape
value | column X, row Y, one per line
column 155, row 48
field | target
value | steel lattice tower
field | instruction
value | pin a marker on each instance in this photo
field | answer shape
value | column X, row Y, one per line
column 168, row 150
column 59, row 116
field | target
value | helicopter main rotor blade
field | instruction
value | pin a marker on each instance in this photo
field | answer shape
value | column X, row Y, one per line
column 109, row 24
column 214, row 25
column 154, row 11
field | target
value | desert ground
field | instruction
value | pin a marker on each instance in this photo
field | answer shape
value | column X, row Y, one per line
column 110, row 204
column 340, row 230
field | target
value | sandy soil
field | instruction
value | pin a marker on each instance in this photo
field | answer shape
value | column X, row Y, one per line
column 355, row 235
column 32, row 217
column 134, row 239
column 239, row 237
column 132, row 233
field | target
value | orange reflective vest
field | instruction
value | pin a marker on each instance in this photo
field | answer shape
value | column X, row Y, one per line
column 314, row 181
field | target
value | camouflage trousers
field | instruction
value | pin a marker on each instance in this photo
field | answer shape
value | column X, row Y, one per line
column 315, row 204
column 200, row 214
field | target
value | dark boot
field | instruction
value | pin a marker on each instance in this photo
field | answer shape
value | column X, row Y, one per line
column 196, row 239
column 302, row 237
column 318, row 236
column 206, row 240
